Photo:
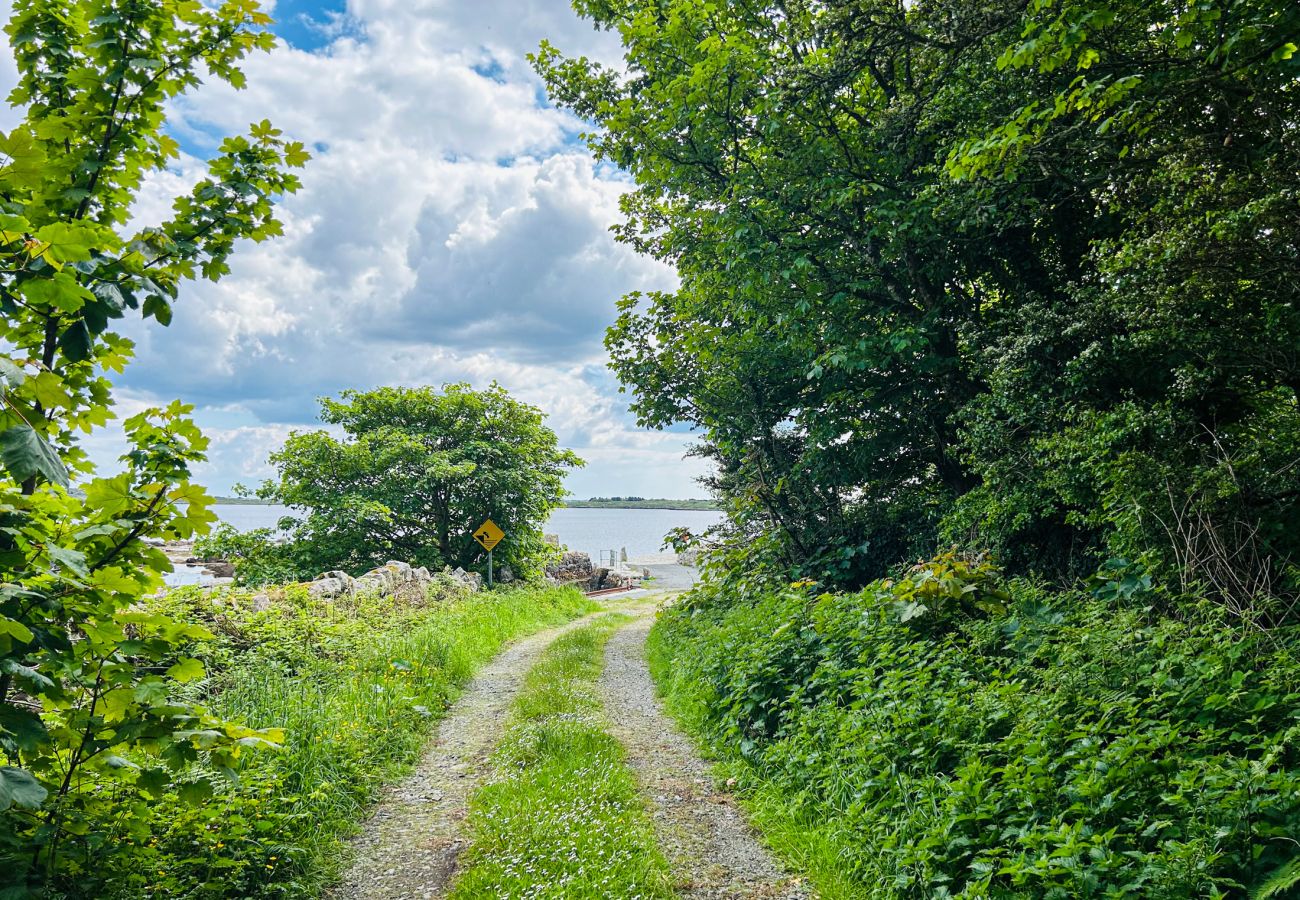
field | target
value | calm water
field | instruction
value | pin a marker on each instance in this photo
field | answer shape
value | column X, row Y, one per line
column 641, row 531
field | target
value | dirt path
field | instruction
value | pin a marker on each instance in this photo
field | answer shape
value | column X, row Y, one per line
column 705, row 837
column 409, row 847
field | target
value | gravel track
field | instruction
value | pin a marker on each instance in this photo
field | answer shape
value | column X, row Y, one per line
column 409, row 848
column 712, row 850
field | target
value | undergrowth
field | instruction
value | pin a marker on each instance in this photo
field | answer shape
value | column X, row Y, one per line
column 561, row 817
column 947, row 735
column 355, row 684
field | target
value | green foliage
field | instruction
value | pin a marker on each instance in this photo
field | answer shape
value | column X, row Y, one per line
column 1017, row 276
column 418, row 471
column 354, row 683
column 260, row 557
column 92, row 705
column 562, row 818
column 1064, row 746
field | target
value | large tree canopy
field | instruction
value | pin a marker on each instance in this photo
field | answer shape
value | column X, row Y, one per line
column 1016, row 274
column 416, row 472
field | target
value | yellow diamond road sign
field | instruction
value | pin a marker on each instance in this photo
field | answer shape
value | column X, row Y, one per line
column 489, row 534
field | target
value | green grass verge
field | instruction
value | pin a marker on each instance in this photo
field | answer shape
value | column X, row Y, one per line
column 356, row 686
column 813, row 849
column 562, row 816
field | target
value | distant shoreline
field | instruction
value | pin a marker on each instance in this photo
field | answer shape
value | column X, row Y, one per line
column 705, row 505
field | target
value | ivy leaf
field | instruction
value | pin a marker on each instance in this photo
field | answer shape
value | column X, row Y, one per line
column 27, row 454
column 19, row 788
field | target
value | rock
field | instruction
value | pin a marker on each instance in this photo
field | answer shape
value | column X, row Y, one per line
column 505, row 575
column 471, row 580
column 332, row 584
column 261, row 602
column 326, row 587
column 572, row 567
column 220, row 568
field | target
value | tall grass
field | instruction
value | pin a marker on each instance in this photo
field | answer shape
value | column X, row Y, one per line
column 357, row 692
column 562, row 816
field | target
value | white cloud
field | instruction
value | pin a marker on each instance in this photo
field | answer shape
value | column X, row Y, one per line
column 449, row 228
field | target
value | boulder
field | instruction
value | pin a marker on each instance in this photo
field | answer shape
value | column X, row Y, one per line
column 571, row 567
column 471, row 580
column 220, row 568
column 332, row 584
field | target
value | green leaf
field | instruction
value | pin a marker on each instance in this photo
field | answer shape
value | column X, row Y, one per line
column 28, row 674
column 60, row 291
column 73, row 560
column 23, row 729
column 159, row 308
column 153, row 781
column 75, row 342
column 195, row 792
column 15, row 629
column 186, row 670
column 110, row 495
column 1281, row 880
column 19, row 788
column 27, row 454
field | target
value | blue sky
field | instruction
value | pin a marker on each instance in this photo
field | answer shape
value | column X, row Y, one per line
column 451, row 227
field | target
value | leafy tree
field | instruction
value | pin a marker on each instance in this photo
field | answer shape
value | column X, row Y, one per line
column 417, row 471
column 1009, row 274
column 87, row 681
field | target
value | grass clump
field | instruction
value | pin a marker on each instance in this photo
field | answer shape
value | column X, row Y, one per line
column 949, row 735
column 355, row 683
column 562, row 816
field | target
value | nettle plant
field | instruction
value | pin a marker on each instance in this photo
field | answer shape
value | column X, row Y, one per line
column 87, row 677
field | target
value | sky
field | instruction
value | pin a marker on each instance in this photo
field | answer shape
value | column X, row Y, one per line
column 452, row 226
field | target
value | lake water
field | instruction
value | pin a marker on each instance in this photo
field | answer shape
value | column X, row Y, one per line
column 641, row 531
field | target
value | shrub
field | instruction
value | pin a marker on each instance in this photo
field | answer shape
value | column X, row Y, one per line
column 1064, row 745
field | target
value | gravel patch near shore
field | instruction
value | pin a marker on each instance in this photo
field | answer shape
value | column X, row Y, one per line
column 409, row 848
column 713, row 851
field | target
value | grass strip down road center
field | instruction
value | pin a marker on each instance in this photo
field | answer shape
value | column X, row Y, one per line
column 561, row 815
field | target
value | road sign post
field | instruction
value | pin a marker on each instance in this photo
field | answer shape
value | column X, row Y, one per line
column 489, row 534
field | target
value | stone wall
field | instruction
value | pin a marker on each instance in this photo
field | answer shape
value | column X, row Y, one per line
column 395, row 579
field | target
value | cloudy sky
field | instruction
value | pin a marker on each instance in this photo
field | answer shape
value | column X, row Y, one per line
column 451, row 227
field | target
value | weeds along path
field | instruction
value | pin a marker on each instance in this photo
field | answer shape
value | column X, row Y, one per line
column 410, row 846
column 712, row 850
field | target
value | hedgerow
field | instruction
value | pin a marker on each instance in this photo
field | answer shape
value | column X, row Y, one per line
column 947, row 735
